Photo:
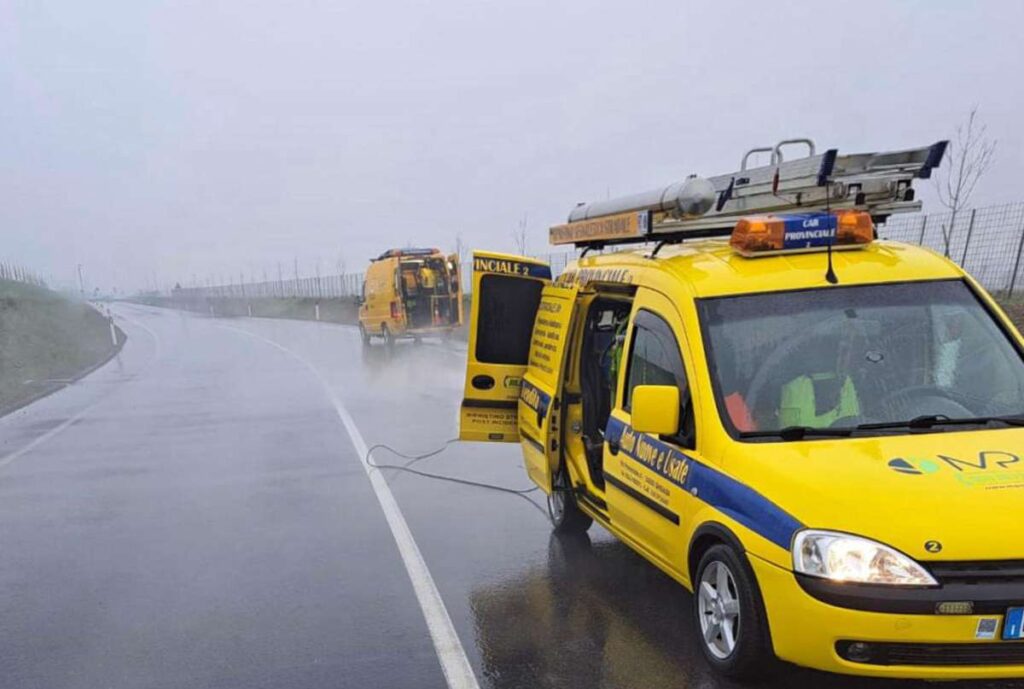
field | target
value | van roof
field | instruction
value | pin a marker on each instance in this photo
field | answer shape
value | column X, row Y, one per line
column 421, row 252
column 712, row 268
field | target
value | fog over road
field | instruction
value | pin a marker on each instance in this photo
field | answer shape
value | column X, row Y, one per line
column 195, row 514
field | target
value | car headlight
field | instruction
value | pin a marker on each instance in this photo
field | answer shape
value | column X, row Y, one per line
column 842, row 557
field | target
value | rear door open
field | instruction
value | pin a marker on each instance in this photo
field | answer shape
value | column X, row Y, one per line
column 506, row 294
column 540, row 399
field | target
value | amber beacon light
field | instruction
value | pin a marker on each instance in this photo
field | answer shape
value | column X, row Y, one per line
column 801, row 232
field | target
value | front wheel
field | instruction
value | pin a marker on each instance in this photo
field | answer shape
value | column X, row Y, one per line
column 731, row 626
column 565, row 514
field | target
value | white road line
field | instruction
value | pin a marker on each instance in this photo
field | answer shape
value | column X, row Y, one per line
column 452, row 656
column 46, row 436
column 71, row 420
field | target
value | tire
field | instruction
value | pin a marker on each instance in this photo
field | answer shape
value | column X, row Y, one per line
column 731, row 629
column 364, row 335
column 389, row 339
column 566, row 516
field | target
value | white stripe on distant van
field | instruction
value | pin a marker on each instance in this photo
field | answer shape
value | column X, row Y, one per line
column 454, row 663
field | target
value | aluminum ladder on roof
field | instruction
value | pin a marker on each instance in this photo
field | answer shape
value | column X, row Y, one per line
column 880, row 183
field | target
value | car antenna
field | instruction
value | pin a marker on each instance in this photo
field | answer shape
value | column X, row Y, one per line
column 830, row 273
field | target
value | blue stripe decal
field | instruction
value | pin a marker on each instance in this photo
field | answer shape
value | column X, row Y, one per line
column 727, row 495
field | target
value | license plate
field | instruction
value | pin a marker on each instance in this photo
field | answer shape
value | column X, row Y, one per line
column 1013, row 624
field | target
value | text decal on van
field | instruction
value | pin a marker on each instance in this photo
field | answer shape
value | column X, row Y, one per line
column 503, row 266
column 727, row 495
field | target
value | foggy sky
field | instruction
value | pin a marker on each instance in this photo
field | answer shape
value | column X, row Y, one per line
column 172, row 141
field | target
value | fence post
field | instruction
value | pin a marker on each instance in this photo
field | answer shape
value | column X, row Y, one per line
column 1016, row 262
column 924, row 224
column 967, row 240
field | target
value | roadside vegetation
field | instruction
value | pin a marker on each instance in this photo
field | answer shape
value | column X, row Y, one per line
column 46, row 341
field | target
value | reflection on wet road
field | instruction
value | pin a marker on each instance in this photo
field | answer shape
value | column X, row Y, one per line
column 194, row 514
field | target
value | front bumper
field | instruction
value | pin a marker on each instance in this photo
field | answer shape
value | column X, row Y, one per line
column 812, row 633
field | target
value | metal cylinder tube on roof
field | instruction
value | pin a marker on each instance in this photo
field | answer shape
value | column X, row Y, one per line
column 690, row 198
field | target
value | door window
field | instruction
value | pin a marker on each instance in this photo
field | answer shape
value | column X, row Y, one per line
column 505, row 321
column 654, row 359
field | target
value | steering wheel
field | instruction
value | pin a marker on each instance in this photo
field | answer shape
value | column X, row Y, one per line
column 907, row 399
column 778, row 355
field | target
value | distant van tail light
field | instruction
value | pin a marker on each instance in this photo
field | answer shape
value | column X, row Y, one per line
column 762, row 235
column 394, row 309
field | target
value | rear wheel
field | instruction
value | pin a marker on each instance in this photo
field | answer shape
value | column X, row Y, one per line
column 565, row 514
column 385, row 332
column 364, row 335
column 731, row 626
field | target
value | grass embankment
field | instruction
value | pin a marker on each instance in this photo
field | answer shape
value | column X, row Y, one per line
column 46, row 341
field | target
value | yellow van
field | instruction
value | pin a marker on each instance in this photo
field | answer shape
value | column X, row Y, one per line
column 410, row 293
column 815, row 431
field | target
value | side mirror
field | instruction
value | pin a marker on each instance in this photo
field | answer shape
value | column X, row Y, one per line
column 655, row 409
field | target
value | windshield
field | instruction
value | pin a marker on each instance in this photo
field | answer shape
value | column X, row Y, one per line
column 841, row 357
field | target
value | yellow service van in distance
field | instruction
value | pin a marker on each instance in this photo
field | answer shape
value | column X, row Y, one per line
column 816, row 432
column 410, row 293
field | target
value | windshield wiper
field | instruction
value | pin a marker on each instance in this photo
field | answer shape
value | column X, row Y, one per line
column 924, row 422
column 931, row 420
column 790, row 433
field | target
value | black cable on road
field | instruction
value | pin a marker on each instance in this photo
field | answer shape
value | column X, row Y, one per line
column 407, row 467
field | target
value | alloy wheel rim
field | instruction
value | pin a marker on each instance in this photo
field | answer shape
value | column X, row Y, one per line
column 719, row 609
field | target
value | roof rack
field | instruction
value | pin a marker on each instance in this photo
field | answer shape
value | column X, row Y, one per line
column 408, row 251
column 880, row 183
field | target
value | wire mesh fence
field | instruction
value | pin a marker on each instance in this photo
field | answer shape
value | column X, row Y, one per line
column 325, row 286
column 320, row 287
column 988, row 242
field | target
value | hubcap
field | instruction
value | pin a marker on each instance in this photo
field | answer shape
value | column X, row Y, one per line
column 719, row 608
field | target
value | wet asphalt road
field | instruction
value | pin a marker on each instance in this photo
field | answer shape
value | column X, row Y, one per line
column 194, row 514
